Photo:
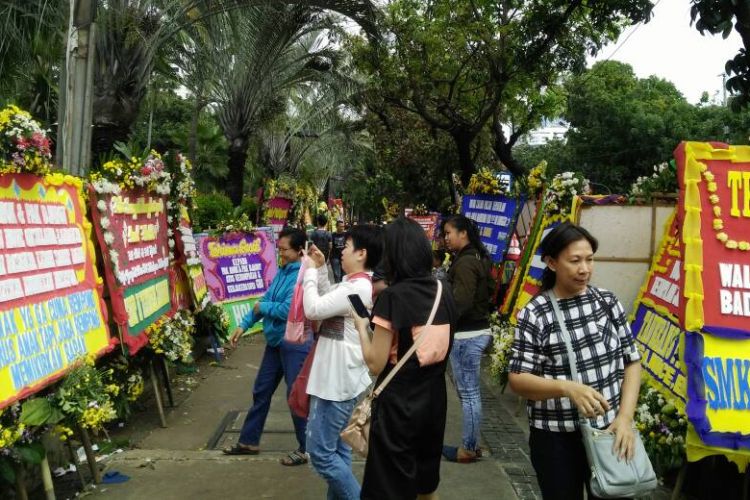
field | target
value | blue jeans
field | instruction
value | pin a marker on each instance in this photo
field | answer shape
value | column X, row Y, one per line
column 465, row 358
column 284, row 360
column 329, row 455
column 337, row 271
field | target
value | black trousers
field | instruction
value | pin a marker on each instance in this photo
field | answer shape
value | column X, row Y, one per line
column 559, row 460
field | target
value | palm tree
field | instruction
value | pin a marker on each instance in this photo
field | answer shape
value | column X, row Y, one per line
column 138, row 35
column 266, row 52
column 319, row 137
column 32, row 36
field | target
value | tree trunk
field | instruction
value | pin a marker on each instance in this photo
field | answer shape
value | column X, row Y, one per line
column 505, row 155
column 463, row 142
column 237, row 159
column 104, row 138
column 504, row 151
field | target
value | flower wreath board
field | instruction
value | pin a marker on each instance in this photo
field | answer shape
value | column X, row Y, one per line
column 531, row 272
column 655, row 319
column 238, row 268
column 189, row 259
column 51, row 308
column 131, row 226
column 495, row 216
column 714, row 218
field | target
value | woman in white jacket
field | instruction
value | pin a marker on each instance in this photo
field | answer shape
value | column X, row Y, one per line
column 339, row 373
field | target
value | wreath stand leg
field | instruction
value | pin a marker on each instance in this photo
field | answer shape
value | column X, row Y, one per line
column 215, row 346
column 90, row 457
column 167, row 382
column 21, row 483
column 74, row 459
column 49, row 487
column 679, row 482
column 157, row 393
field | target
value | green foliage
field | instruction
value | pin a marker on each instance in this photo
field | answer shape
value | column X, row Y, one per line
column 409, row 152
column 663, row 429
column 32, row 453
column 555, row 152
column 213, row 320
column 621, row 125
column 463, row 66
column 721, row 16
column 663, row 180
column 365, row 192
column 248, row 207
column 210, row 209
column 40, row 411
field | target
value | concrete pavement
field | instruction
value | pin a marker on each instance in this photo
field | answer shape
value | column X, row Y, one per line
column 173, row 463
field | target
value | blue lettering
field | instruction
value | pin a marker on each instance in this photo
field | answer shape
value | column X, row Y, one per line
column 58, row 308
column 9, row 323
column 28, row 320
column 17, row 375
column 726, row 381
column 712, row 390
column 48, row 335
column 65, row 329
column 743, row 384
column 74, row 349
column 55, row 359
column 7, row 353
column 30, row 343
column 40, row 313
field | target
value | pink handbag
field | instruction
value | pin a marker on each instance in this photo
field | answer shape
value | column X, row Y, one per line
column 295, row 323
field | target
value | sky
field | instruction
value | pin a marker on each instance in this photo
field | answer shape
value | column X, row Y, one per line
column 670, row 48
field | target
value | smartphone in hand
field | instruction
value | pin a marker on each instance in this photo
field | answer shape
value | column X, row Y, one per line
column 358, row 305
column 307, row 247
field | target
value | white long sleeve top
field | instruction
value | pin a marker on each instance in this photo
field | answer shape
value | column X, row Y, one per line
column 339, row 371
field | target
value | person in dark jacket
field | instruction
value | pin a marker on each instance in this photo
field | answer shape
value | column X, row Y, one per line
column 469, row 277
column 281, row 359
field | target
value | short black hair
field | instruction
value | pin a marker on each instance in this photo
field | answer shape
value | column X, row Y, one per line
column 408, row 253
column 297, row 237
column 367, row 237
column 556, row 241
column 321, row 220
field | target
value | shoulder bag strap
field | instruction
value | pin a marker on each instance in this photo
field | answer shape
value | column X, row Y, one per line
column 416, row 343
column 566, row 338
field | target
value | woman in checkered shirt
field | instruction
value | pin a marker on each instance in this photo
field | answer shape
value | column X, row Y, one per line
column 606, row 356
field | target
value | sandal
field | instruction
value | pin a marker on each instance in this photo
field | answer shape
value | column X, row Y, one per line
column 239, row 449
column 451, row 454
column 294, row 458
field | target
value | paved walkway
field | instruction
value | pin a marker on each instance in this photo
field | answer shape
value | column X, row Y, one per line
column 173, row 462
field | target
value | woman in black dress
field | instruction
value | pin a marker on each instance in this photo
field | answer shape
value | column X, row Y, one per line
column 408, row 418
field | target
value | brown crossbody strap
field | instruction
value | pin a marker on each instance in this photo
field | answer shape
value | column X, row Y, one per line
column 416, row 343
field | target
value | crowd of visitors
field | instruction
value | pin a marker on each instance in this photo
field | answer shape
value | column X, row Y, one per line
column 423, row 313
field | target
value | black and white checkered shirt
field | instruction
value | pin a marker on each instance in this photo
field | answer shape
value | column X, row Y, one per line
column 602, row 350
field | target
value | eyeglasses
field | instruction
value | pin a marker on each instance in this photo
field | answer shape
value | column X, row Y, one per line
column 282, row 249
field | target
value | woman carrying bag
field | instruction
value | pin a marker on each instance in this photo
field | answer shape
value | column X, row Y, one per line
column 603, row 391
column 408, row 417
column 281, row 358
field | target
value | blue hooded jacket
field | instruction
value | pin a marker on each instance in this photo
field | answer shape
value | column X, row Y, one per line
column 275, row 304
